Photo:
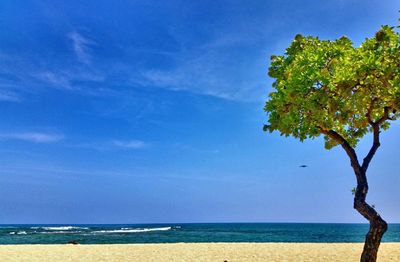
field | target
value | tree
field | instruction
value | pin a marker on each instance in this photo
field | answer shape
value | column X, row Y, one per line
column 341, row 92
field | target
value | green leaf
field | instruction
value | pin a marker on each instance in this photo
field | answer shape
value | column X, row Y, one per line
column 332, row 85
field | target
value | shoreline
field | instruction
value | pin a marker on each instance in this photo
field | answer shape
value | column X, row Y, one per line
column 244, row 251
column 199, row 243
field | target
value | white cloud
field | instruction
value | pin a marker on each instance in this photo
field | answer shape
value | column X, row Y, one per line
column 131, row 144
column 214, row 68
column 112, row 145
column 33, row 137
column 202, row 77
column 63, row 79
column 59, row 80
column 8, row 96
column 196, row 149
column 81, row 46
column 230, row 63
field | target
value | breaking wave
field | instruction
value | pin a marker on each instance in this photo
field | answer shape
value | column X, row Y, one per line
column 62, row 228
column 132, row 230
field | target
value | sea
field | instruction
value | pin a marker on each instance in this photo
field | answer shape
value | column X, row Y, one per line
column 190, row 233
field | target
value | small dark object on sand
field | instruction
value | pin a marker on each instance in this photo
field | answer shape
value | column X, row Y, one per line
column 73, row 242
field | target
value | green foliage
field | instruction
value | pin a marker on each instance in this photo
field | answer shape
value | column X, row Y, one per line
column 332, row 85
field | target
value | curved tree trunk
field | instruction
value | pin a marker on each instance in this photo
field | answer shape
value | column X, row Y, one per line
column 378, row 226
column 373, row 240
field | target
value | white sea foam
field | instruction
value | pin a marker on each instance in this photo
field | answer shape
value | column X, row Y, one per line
column 59, row 232
column 12, row 233
column 63, row 228
column 21, row 233
column 132, row 230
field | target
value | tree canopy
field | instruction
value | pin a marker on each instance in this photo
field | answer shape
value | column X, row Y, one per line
column 333, row 88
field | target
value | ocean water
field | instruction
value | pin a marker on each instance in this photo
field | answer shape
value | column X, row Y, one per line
column 173, row 233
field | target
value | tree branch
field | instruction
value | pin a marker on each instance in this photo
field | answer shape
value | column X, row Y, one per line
column 374, row 148
column 346, row 146
column 384, row 117
column 376, row 130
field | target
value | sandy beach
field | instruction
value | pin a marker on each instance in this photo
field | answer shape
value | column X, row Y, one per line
column 195, row 252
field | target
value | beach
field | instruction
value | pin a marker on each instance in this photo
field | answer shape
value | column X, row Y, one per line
column 196, row 252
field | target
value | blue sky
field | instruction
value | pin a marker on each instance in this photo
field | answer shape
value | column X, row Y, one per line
column 151, row 111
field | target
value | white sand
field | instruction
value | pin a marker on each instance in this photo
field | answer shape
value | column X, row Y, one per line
column 195, row 252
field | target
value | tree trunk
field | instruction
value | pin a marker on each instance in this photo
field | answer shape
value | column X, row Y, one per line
column 378, row 226
column 373, row 240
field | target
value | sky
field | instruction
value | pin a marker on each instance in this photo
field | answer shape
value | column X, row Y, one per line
column 152, row 112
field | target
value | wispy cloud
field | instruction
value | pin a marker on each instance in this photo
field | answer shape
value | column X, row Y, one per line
column 9, row 96
column 114, row 145
column 213, row 65
column 64, row 79
column 194, row 149
column 59, row 80
column 214, row 68
column 201, row 77
column 33, row 137
column 130, row 144
column 81, row 46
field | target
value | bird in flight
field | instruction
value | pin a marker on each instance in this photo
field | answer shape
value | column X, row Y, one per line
column 303, row 166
